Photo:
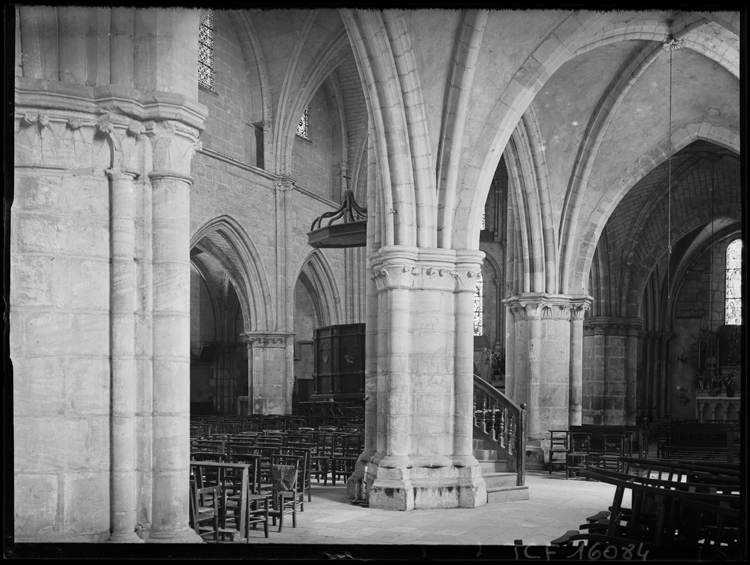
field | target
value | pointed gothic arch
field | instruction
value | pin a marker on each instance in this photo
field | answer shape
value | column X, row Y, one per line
column 226, row 240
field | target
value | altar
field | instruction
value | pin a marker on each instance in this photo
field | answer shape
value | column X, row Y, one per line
column 721, row 408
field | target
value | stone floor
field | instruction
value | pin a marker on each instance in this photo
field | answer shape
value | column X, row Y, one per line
column 555, row 506
column 331, row 527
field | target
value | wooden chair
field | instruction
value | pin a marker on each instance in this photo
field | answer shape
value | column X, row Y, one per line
column 322, row 456
column 345, row 454
column 558, row 449
column 615, row 447
column 305, row 475
column 258, row 502
column 285, row 497
column 208, row 456
column 205, row 508
column 578, row 457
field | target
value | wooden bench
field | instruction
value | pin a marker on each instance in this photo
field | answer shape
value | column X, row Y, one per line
column 664, row 514
column 698, row 441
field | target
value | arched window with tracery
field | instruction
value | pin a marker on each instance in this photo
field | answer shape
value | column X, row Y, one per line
column 303, row 127
column 478, row 305
column 206, row 52
column 733, row 286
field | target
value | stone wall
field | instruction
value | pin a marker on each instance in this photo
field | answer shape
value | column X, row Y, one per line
column 60, row 345
column 316, row 161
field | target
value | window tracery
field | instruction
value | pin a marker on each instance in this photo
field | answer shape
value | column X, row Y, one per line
column 479, row 306
column 303, row 128
column 206, row 52
column 733, row 284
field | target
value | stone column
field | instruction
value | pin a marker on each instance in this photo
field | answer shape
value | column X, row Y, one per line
column 643, row 392
column 267, row 374
column 664, row 390
column 173, row 147
column 510, row 356
column 654, row 371
column 361, row 471
column 533, row 382
column 632, row 375
column 548, row 358
column 122, row 347
column 171, row 378
column 468, row 265
column 422, row 358
column 615, row 350
column 575, row 406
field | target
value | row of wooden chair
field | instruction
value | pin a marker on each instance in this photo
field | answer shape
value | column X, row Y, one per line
column 227, row 498
column 575, row 450
column 698, row 441
column 208, row 425
column 325, row 454
column 664, row 513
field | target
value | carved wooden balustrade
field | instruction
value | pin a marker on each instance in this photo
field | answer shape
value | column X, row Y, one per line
column 501, row 423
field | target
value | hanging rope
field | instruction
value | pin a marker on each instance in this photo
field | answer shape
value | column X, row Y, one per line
column 711, row 272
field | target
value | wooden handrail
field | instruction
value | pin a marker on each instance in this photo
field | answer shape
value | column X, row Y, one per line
column 500, row 421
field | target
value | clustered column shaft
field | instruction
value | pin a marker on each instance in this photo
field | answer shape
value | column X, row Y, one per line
column 171, row 321
column 122, row 343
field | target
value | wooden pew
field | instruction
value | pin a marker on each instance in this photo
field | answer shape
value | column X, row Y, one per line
column 664, row 514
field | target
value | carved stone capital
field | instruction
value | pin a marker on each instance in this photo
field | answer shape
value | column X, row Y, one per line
column 283, row 184
column 425, row 269
column 173, row 145
column 531, row 306
column 265, row 340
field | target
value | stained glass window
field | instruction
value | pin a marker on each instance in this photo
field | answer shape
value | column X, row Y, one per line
column 478, row 306
column 733, row 296
column 484, row 221
column 206, row 52
column 303, row 128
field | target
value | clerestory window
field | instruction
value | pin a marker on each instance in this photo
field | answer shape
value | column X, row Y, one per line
column 206, row 52
column 733, row 286
column 479, row 306
column 303, row 128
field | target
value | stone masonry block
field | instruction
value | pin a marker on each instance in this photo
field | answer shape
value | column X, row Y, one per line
column 91, row 334
column 171, row 336
column 48, row 333
column 424, row 404
column 88, row 386
column 554, row 395
column 50, row 444
column 40, row 193
column 426, row 424
column 31, row 280
column 171, row 386
column 38, row 386
column 86, row 195
column 81, row 283
column 62, row 234
column 171, row 432
column 35, row 505
column 86, row 498
column 99, row 442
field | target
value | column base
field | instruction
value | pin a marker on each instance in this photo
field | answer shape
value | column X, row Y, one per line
column 124, row 537
column 425, row 487
column 183, row 536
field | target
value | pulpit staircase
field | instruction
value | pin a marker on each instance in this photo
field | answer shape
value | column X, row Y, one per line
column 500, row 443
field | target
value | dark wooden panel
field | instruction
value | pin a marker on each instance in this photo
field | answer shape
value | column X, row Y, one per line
column 339, row 371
